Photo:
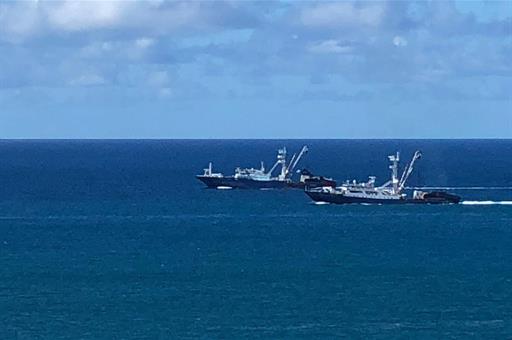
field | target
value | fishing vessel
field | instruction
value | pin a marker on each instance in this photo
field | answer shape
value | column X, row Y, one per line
column 251, row 178
column 391, row 192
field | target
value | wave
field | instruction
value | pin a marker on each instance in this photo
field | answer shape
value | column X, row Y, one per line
column 486, row 202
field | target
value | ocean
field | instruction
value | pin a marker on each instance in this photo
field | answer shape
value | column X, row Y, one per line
column 116, row 239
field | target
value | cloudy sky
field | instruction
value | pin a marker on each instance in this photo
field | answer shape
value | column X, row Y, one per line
column 239, row 69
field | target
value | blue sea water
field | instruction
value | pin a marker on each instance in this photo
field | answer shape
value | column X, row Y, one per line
column 118, row 240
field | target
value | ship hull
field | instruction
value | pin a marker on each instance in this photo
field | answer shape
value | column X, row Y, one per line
column 243, row 183
column 343, row 199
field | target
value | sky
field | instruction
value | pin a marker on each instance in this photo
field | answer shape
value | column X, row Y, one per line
column 241, row 69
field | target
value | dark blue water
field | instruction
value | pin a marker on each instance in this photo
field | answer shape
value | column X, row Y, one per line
column 117, row 240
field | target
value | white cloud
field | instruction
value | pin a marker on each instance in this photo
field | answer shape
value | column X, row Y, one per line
column 144, row 42
column 132, row 42
column 337, row 14
column 20, row 20
column 96, row 49
column 24, row 19
column 165, row 92
column 329, row 46
column 399, row 41
column 158, row 79
column 83, row 15
column 88, row 80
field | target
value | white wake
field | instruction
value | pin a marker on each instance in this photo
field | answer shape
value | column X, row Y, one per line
column 460, row 188
column 486, row 202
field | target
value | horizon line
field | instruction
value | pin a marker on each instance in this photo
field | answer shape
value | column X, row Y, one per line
column 248, row 139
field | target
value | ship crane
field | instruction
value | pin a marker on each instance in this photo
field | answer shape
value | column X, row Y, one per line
column 281, row 160
column 408, row 170
column 295, row 161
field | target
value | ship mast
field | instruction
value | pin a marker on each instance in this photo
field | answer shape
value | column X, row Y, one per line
column 394, row 159
column 281, row 159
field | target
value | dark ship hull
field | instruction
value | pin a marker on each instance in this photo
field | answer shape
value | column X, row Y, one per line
column 436, row 197
column 247, row 183
column 242, row 183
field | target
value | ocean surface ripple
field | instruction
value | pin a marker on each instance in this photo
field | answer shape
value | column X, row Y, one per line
column 118, row 240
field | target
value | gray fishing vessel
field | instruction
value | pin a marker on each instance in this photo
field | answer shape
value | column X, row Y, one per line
column 391, row 192
column 251, row 178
